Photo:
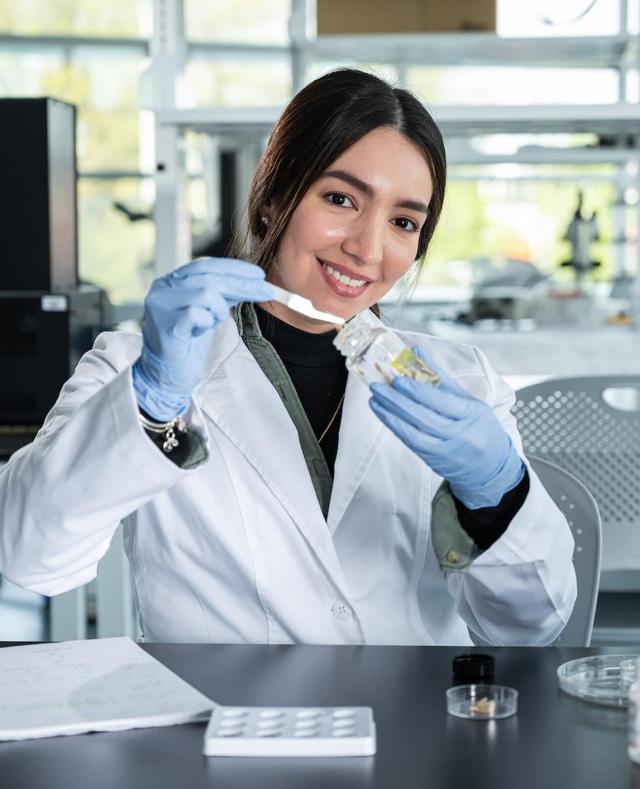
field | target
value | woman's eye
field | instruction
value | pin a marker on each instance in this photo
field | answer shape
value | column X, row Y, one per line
column 406, row 224
column 337, row 198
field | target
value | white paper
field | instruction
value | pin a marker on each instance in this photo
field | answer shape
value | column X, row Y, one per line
column 104, row 684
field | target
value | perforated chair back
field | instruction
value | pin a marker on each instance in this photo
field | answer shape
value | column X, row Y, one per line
column 591, row 428
column 581, row 511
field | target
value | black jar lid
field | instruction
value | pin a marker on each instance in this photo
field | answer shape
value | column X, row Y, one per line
column 473, row 666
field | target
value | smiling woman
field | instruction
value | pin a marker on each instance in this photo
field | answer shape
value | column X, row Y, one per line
column 268, row 494
column 348, row 174
column 355, row 232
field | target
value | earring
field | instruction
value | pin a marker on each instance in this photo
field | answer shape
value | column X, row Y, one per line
column 264, row 220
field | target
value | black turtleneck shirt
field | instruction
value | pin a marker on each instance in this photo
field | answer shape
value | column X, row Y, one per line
column 318, row 372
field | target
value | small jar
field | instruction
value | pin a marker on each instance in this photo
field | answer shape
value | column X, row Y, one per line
column 634, row 718
column 375, row 353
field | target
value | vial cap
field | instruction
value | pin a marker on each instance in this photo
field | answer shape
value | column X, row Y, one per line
column 472, row 666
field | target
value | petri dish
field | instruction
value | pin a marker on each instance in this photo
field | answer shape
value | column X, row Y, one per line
column 482, row 702
column 599, row 679
column 628, row 670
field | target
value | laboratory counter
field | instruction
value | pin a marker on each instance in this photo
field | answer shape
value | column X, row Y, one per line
column 553, row 741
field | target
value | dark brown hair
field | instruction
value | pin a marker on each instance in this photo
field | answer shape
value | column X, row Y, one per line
column 318, row 125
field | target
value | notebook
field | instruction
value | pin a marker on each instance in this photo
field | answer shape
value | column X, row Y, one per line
column 105, row 684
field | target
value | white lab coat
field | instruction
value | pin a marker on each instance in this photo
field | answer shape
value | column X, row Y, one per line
column 238, row 550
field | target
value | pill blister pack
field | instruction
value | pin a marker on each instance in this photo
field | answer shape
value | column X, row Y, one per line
column 290, row 731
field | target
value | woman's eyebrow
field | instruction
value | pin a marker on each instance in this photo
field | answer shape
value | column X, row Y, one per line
column 364, row 187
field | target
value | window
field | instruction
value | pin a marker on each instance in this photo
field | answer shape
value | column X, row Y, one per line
column 257, row 22
column 117, row 18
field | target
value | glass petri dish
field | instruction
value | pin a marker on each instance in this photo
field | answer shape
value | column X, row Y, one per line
column 599, row 679
column 482, row 702
column 628, row 670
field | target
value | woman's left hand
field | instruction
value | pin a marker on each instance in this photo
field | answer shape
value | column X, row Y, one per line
column 454, row 433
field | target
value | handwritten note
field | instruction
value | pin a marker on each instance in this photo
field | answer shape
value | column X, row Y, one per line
column 105, row 684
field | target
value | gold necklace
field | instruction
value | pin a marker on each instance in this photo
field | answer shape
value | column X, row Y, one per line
column 335, row 414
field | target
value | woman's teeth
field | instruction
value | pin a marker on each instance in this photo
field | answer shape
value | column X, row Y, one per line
column 352, row 283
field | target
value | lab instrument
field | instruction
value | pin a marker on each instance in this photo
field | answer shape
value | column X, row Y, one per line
column 482, row 702
column 48, row 320
column 303, row 306
column 43, row 336
column 38, row 201
column 581, row 233
column 376, row 353
column 290, row 731
column 634, row 711
column 599, row 679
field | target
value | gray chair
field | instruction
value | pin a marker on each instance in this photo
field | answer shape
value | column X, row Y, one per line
column 581, row 511
column 591, row 428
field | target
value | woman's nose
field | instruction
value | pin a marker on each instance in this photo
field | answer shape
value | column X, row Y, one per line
column 365, row 239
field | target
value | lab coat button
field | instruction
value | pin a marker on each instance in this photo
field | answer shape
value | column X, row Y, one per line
column 452, row 557
column 340, row 610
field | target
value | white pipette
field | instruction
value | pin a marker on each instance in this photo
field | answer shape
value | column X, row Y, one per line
column 303, row 306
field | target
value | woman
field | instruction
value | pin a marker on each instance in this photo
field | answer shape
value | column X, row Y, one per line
column 298, row 505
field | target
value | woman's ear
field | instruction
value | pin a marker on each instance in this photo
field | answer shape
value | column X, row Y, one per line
column 267, row 212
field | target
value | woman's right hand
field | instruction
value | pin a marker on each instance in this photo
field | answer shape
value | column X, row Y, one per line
column 180, row 312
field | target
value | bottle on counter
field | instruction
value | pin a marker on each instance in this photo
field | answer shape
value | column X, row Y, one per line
column 634, row 717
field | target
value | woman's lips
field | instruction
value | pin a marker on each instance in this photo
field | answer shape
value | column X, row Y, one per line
column 339, row 288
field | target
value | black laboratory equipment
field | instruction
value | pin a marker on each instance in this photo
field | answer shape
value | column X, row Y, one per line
column 47, row 318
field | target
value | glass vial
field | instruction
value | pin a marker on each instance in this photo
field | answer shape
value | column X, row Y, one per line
column 634, row 718
column 375, row 353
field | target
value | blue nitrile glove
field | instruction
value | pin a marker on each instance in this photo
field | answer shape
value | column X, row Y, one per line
column 455, row 433
column 180, row 312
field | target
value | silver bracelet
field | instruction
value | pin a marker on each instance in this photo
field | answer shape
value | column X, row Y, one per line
column 168, row 429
